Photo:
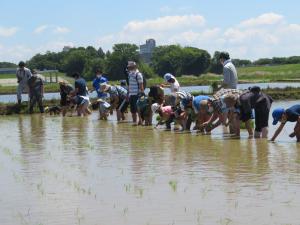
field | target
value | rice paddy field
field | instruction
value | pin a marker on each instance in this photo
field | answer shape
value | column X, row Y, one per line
column 71, row 170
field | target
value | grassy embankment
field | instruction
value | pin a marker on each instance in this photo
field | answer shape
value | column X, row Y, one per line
column 257, row 74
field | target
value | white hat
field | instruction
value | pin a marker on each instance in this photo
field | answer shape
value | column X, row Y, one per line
column 155, row 107
column 168, row 76
column 104, row 87
column 131, row 64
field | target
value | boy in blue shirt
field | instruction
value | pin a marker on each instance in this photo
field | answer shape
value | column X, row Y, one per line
column 291, row 114
column 99, row 79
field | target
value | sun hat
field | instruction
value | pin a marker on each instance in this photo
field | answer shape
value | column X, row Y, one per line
column 168, row 77
column 277, row 114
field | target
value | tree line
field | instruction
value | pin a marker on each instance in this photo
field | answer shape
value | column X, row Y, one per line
column 174, row 59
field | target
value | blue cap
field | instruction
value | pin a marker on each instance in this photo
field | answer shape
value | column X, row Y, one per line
column 168, row 76
column 277, row 114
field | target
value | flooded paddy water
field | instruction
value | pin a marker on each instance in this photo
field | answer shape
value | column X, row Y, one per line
column 56, row 170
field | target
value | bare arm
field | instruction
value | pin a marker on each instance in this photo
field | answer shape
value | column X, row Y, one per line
column 277, row 132
column 141, row 85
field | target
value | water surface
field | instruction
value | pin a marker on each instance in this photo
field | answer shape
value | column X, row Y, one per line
column 56, row 170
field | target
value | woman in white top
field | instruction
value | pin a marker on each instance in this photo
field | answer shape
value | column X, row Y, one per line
column 173, row 84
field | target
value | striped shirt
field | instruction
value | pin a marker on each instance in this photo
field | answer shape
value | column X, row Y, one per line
column 135, row 79
column 217, row 101
column 118, row 91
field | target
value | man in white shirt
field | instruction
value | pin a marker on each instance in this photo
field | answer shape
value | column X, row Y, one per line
column 229, row 72
column 23, row 74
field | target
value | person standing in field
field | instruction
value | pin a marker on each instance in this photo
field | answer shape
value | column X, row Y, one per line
column 36, row 91
column 23, row 74
column 230, row 78
column 135, row 87
column 81, row 93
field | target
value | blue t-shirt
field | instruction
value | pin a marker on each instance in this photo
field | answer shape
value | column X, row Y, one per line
column 81, row 85
column 293, row 113
column 197, row 100
column 96, row 84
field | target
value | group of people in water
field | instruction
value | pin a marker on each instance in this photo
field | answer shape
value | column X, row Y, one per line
column 229, row 106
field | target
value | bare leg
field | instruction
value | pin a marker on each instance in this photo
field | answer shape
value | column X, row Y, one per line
column 249, row 129
column 265, row 132
column 119, row 115
column 134, row 117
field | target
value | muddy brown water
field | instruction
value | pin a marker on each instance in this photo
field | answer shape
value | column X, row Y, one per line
column 72, row 170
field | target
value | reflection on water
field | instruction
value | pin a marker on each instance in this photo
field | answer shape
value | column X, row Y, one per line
column 83, row 171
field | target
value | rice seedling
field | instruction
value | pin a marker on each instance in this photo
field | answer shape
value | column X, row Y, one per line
column 173, row 185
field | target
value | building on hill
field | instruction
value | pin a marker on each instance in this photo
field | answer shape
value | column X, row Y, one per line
column 146, row 50
column 66, row 48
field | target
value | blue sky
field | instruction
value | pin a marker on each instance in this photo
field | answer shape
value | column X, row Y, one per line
column 247, row 29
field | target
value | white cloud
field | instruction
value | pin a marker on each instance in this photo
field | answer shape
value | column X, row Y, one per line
column 61, row 30
column 8, row 31
column 40, row 29
column 20, row 52
column 165, row 23
column 267, row 35
column 264, row 19
column 15, row 53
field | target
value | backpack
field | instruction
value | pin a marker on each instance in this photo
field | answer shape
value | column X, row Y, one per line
column 144, row 80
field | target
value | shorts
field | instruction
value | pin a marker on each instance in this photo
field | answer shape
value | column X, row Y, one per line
column 245, row 108
column 81, row 101
column 133, row 103
column 261, row 116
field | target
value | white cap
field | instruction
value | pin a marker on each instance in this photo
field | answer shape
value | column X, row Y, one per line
column 168, row 76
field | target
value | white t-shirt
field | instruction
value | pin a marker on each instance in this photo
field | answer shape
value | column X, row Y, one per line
column 174, row 87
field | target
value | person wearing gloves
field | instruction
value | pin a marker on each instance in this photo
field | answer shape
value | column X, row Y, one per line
column 23, row 74
column 174, row 86
column 291, row 114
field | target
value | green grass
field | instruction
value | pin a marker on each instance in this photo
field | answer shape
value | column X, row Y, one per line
column 46, row 74
column 7, row 76
column 253, row 74
column 270, row 73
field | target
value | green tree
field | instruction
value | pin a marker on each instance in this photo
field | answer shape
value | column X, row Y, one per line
column 116, row 62
column 263, row 61
column 101, row 53
column 7, row 65
column 167, row 59
column 177, row 60
column 91, row 66
column 75, row 62
column 215, row 65
column 194, row 61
